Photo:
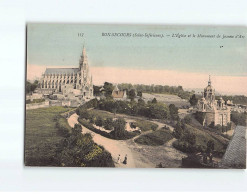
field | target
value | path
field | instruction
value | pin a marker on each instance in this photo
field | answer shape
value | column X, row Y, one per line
column 160, row 125
column 115, row 147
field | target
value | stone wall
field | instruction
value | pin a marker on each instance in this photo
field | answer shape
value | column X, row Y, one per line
column 37, row 105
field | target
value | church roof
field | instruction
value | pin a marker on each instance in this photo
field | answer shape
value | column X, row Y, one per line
column 61, row 70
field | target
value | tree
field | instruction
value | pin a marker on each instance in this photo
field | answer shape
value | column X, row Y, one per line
column 193, row 100
column 210, row 146
column 119, row 127
column 30, row 87
column 132, row 94
column 178, row 130
column 84, row 114
column 141, row 102
column 108, row 124
column 108, row 89
column 187, row 119
column 96, row 90
column 99, row 121
column 173, row 111
column 154, row 101
column 139, row 93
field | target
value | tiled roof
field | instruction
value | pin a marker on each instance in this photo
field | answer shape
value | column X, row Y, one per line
column 117, row 94
column 61, row 70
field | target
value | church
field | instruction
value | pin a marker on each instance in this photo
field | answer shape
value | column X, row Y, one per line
column 71, row 83
column 216, row 112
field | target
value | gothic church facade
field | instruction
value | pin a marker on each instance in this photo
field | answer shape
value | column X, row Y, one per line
column 69, row 81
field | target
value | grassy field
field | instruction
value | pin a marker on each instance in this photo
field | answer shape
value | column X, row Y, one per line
column 155, row 138
column 203, row 137
column 41, row 135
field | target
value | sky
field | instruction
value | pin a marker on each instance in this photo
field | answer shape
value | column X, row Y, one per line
column 169, row 60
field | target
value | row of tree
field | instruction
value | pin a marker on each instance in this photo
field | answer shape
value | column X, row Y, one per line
column 137, row 90
column 152, row 109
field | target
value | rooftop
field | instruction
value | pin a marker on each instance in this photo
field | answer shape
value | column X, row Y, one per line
column 61, row 70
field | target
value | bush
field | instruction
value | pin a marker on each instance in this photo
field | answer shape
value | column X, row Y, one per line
column 155, row 138
column 124, row 136
column 200, row 116
column 108, row 123
column 187, row 119
column 238, row 118
column 62, row 125
column 144, row 125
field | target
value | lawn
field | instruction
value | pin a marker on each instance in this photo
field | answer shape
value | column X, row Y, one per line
column 145, row 125
column 155, row 138
column 41, row 135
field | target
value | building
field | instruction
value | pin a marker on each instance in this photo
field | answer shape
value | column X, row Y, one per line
column 216, row 112
column 118, row 94
column 70, row 83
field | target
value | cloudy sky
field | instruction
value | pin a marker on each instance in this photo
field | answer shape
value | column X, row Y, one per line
column 168, row 61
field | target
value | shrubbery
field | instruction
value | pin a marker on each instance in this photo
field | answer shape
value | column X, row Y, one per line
column 115, row 134
column 144, row 125
column 155, row 138
column 239, row 118
column 79, row 150
column 156, row 110
column 62, row 125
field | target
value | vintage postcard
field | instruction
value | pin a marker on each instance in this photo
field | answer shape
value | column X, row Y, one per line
column 136, row 96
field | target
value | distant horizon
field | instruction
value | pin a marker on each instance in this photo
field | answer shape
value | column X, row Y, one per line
column 161, row 77
column 164, row 61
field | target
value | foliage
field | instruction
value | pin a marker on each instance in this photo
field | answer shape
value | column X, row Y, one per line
column 62, row 125
column 35, row 101
column 119, row 127
column 42, row 136
column 108, row 87
column 125, row 135
column 80, row 150
column 173, row 111
column 193, row 139
column 155, row 138
column 210, row 146
column 139, row 94
column 99, row 121
column 239, row 118
column 163, row 89
column 30, row 87
column 132, row 94
column 200, row 116
column 145, row 125
column 178, row 130
column 187, row 119
column 237, row 99
column 96, row 90
column 108, row 123
column 154, row 101
column 152, row 110
column 193, row 100
column 49, row 141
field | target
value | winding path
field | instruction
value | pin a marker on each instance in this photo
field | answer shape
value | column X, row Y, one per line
column 115, row 147
column 139, row 156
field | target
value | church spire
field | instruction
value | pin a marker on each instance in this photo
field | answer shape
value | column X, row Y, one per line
column 209, row 81
column 83, row 61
